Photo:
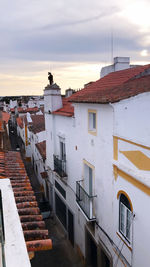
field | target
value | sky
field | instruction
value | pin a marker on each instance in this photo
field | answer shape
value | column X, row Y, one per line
column 72, row 39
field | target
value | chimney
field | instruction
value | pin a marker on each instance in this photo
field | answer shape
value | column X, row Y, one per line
column 52, row 98
column 121, row 63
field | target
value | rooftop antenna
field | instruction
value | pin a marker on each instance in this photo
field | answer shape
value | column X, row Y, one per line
column 112, row 46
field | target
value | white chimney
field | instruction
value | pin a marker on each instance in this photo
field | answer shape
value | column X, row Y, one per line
column 52, row 98
column 29, row 117
column 120, row 63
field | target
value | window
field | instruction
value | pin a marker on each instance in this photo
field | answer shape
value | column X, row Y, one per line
column 61, row 210
column 92, row 121
column 88, row 178
column 125, row 217
column 60, row 189
column 62, row 151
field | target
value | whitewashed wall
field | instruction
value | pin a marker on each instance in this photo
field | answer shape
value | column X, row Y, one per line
column 15, row 247
column 97, row 150
column 132, row 123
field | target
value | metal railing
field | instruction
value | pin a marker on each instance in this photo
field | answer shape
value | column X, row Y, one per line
column 60, row 166
column 2, row 233
column 85, row 201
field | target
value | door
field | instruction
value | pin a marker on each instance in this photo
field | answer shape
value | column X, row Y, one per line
column 62, row 151
column 70, row 227
column 88, row 179
column 105, row 262
column 91, row 251
column 60, row 210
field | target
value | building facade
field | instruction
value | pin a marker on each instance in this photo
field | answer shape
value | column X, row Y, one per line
column 97, row 159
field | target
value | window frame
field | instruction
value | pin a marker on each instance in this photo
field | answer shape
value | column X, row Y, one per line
column 127, row 218
column 62, row 150
column 91, row 114
column 88, row 175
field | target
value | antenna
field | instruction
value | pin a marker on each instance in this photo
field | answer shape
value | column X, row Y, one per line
column 50, row 67
column 112, row 46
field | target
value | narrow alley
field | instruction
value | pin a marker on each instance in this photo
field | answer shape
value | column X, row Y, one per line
column 62, row 253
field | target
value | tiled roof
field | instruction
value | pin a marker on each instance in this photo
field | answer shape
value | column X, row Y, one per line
column 32, row 110
column 25, row 110
column 1, row 126
column 20, row 122
column 42, row 149
column 12, row 110
column 21, row 110
column 35, row 234
column 67, row 109
column 38, row 124
column 111, row 88
column 5, row 116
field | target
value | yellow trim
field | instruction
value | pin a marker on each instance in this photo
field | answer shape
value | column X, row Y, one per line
column 31, row 254
column 119, row 257
column 93, row 169
column 95, row 131
column 124, row 193
column 89, row 164
column 133, row 181
column 131, row 142
column 138, row 158
column 115, row 172
column 115, row 144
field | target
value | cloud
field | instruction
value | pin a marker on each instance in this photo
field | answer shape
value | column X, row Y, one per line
column 81, row 21
column 67, row 32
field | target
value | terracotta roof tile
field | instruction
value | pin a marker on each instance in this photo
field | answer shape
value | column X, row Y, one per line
column 12, row 110
column 67, row 109
column 5, row 116
column 20, row 122
column 1, row 126
column 114, row 86
column 35, row 234
column 38, row 124
column 32, row 110
column 42, row 149
column 25, row 110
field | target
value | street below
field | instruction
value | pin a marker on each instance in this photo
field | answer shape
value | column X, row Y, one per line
column 62, row 253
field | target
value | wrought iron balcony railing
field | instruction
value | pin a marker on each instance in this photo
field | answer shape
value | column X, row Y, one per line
column 85, row 201
column 60, row 166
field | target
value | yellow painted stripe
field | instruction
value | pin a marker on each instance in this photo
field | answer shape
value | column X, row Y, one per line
column 133, row 181
column 131, row 142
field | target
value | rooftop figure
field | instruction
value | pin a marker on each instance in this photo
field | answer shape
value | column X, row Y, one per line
column 50, row 78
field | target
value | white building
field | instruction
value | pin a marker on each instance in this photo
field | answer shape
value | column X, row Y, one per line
column 98, row 161
column 40, row 158
column 13, row 103
column 120, row 63
column 36, row 134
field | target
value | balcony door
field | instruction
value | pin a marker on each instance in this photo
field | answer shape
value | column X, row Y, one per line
column 88, row 179
column 62, row 151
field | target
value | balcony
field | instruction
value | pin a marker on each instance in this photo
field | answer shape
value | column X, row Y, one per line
column 60, row 166
column 85, row 201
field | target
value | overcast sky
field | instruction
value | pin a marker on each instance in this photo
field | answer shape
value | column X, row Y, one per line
column 70, row 38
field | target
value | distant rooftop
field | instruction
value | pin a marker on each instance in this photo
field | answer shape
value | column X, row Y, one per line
column 115, row 86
